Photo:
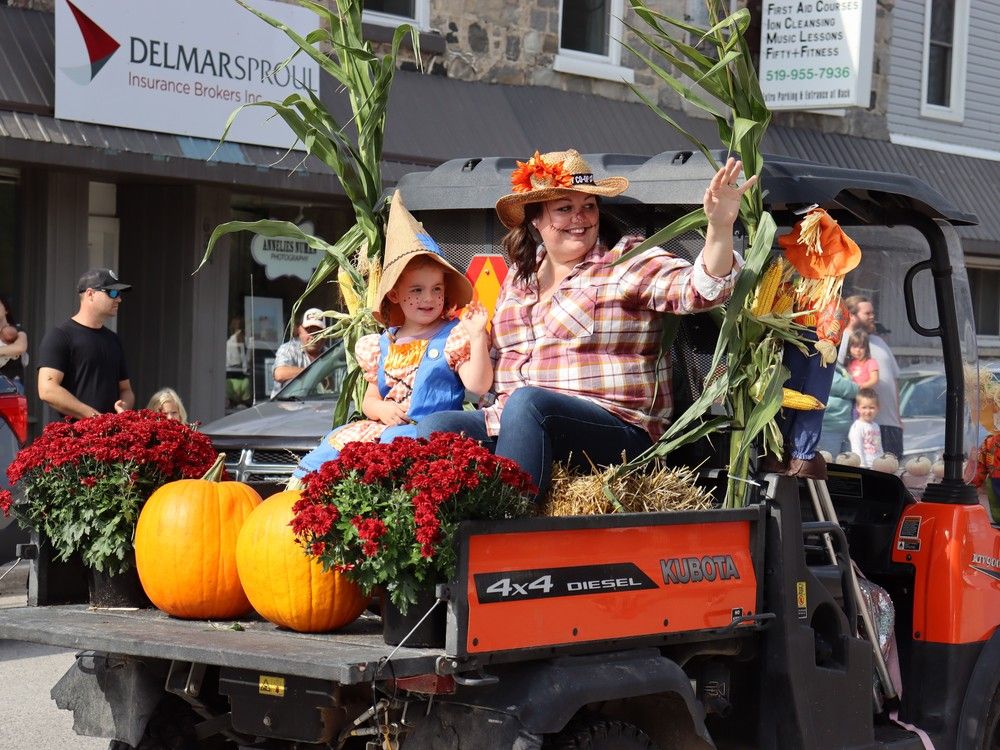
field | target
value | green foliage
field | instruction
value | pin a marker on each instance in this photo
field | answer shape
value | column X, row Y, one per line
column 83, row 483
column 397, row 565
column 716, row 75
column 353, row 150
column 97, row 520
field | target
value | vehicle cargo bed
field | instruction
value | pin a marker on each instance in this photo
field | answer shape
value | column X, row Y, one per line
column 349, row 656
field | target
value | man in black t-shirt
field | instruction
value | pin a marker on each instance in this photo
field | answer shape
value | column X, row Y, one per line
column 81, row 369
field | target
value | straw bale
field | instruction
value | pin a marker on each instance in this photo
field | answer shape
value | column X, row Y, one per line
column 617, row 490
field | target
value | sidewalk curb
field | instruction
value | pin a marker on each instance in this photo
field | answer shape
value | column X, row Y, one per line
column 16, row 581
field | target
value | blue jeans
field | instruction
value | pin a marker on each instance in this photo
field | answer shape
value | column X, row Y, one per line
column 892, row 440
column 538, row 426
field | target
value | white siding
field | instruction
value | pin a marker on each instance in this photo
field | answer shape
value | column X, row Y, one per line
column 981, row 127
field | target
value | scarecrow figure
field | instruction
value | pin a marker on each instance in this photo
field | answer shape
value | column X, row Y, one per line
column 817, row 255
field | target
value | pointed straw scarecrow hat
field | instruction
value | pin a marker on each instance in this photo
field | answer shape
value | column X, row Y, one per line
column 547, row 176
column 406, row 239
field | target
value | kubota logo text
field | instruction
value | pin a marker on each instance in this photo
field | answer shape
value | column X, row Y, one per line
column 695, row 569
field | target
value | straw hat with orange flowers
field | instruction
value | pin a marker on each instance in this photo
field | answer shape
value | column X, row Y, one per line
column 547, row 176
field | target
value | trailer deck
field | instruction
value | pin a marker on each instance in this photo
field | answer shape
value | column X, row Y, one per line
column 350, row 656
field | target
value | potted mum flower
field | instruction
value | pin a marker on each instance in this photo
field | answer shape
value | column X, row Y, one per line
column 83, row 483
column 387, row 514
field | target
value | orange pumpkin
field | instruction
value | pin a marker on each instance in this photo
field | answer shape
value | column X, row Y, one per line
column 284, row 585
column 185, row 546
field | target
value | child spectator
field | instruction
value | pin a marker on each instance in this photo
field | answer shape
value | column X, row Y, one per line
column 860, row 363
column 13, row 346
column 865, row 435
column 167, row 402
column 8, row 335
column 426, row 359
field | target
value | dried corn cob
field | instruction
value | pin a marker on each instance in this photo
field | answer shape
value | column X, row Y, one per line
column 784, row 300
column 800, row 401
column 374, row 279
column 351, row 299
column 767, row 288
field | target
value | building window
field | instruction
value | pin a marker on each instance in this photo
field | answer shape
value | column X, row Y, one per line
column 589, row 39
column 984, row 284
column 696, row 12
column 946, row 31
column 395, row 12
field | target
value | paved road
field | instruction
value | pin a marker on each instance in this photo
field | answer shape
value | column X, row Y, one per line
column 29, row 719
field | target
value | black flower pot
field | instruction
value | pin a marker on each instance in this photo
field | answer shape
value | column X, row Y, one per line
column 396, row 625
column 116, row 590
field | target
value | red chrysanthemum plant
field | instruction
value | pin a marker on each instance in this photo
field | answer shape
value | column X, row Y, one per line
column 386, row 515
column 83, row 483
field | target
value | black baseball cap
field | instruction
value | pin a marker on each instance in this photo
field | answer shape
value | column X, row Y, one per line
column 100, row 278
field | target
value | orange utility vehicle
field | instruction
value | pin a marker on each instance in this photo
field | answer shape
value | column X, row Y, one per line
column 699, row 629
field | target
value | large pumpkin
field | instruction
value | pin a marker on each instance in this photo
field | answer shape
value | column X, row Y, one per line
column 185, row 547
column 284, row 585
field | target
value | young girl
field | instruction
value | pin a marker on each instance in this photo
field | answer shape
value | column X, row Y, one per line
column 425, row 360
column 861, row 365
column 166, row 401
column 865, row 434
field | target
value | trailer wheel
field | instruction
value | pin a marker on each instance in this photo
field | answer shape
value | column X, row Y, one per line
column 596, row 733
column 171, row 727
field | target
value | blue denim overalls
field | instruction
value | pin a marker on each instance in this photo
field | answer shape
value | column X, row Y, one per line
column 436, row 387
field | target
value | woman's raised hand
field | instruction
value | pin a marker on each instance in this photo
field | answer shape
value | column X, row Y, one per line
column 723, row 196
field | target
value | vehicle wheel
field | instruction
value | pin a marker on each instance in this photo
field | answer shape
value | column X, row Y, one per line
column 595, row 733
column 171, row 727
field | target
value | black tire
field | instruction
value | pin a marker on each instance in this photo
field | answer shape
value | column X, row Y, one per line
column 171, row 727
column 601, row 734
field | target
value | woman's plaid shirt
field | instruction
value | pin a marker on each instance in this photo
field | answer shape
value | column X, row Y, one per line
column 598, row 337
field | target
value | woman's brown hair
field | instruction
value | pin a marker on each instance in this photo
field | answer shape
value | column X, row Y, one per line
column 521, row 245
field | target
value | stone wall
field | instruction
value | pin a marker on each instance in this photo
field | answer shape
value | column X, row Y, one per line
column 499, row 42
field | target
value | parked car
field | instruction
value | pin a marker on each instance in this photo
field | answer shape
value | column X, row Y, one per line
column 13, row 434
column 922, row 409
column 264, row 442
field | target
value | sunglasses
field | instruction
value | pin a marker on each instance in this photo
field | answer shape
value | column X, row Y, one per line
column 114, row 293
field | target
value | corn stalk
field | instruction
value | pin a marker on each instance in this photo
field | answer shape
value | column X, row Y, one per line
column 353, row 150
column 717, row 76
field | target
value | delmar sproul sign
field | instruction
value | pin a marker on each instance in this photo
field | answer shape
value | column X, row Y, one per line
column 179, row 67
column 816, row 54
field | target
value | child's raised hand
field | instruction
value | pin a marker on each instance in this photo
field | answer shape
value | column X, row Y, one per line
column 474, row 319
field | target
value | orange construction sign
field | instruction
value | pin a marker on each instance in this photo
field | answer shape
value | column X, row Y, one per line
column 487, row 272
